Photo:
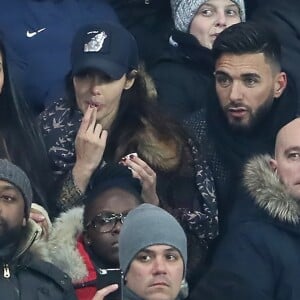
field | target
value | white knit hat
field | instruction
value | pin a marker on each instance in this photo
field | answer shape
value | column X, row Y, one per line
column 185, row 10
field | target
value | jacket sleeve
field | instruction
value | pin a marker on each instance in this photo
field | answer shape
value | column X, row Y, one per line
column 245, row 252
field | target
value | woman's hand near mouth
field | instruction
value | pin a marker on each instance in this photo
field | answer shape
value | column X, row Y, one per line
column 90, row 144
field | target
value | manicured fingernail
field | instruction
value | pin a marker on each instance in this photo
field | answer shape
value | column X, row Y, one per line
column 123, row 158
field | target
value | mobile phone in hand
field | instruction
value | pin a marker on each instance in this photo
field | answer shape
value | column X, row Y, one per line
column 107, row 277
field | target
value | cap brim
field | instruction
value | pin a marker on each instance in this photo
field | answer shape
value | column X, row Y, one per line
column 113, row 70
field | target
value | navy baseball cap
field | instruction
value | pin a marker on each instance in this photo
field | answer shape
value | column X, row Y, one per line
column 107, row 47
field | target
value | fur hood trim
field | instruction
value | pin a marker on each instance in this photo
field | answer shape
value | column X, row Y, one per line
column 269, row 193
column 164, row 155
column 61, row 246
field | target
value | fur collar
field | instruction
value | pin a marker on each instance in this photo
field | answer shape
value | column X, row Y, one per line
column 164, row 155
column 61, row 246
column 269, row 193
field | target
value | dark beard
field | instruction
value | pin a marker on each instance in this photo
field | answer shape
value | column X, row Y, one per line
column 255, row 119
column 9, row 236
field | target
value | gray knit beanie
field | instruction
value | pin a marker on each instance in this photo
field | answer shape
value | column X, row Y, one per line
column 149, row 225
column 185, row 10
column 14, row 175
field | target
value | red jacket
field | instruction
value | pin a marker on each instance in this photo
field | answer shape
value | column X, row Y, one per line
column 86, row 292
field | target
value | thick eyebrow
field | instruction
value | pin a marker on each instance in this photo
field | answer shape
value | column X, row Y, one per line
column 218, row 72
column 243, row 76
column 149, row 251
column 9, row 187
column 252, row 75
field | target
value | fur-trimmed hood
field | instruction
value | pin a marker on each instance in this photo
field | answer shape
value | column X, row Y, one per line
column 269, row 193
column 161, row 154
column 61, row 246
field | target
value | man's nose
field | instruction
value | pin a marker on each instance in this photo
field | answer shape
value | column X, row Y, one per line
column 159, row 265
column 235, row 91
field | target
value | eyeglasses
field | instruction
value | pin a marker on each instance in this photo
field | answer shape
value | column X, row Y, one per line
column 106, row 221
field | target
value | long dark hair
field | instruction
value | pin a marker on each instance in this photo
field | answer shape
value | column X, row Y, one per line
column 137, row 104
column 21, row 140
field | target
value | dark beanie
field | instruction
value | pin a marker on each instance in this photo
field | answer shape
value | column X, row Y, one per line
column 112, row 175
column 14, row 175
column 149, row 225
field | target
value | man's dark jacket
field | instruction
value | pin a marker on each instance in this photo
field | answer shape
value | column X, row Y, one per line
column 24, row 276
column 263, row 242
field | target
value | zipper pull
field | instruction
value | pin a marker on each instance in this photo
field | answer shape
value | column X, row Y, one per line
column 6, row 271
column 147, row 2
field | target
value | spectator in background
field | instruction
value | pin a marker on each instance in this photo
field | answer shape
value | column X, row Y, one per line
column 262, row 245
column 86, row 239
column 20, row 140
column 149, row 21
column 153, row 254
column 38, row 35
column 184, row 74
column 23, row 273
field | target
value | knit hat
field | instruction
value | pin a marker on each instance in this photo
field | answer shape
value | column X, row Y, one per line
column 14, row 175
column 112, row 175
column 185, row 10
column 149, row 225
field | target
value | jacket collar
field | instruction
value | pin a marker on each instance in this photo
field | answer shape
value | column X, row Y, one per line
column 61, row 246
column 269, row 193
column 130, row 295
column 32, row 233
column 29, row 235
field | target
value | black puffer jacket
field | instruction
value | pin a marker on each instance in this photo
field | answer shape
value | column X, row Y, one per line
column 263, row 243
column 183, row 75
column 27, row 277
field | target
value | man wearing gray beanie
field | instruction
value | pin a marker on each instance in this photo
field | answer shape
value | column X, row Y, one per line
column 14, row 175
column 153, row 254
column 30, row 277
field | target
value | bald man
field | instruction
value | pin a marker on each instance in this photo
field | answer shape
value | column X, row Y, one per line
column 262, row 244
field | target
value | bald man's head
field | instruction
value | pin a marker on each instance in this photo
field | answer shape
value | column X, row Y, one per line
column 287, row 157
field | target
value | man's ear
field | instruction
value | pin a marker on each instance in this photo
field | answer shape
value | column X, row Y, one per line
column 280, row 84
column 273, row 164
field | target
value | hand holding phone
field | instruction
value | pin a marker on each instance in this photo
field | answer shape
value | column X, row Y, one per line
column 101, row 294
column 106, row 277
